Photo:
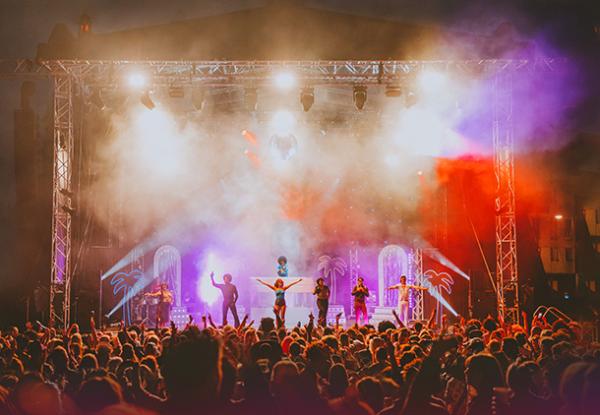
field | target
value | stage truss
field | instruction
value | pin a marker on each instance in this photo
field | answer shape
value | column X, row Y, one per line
column 75, row 77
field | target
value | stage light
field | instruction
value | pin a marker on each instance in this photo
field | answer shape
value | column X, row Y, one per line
column 250, row 99
column 204, row 288
column 147, row 101
column 359, row 96
column 307, row 98
column 176, row 91
column 393, row 91
column 137, row 80
column 558, row 216
column 198, row 99
column 420, row 173
column 85, row 24
column 285, row 80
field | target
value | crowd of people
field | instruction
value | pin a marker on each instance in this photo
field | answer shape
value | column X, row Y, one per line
column 465, row 367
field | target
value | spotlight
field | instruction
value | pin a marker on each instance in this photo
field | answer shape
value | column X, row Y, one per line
column 198, row 99
column 85, row 24
column 285, row 80
column 250, row 99
column 359, row 96
column 307, row 98
column 176, row 91
column 558, row 216
column 96, row 99
column 136, row 80
column 393, row 91
column 147, row 101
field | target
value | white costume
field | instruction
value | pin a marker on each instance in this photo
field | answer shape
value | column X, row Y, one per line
column 403, row 302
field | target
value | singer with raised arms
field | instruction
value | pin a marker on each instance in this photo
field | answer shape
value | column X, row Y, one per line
column 279, row 288
column 403, row 290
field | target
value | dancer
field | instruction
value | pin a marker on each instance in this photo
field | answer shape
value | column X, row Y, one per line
column 230, row 297
column 322, row 292
column 403, row 290
column 360, row 293
column 165, row 300
column 280, row 289
column 282, row 269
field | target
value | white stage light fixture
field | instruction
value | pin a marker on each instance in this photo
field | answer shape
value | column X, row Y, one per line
column 137, row 80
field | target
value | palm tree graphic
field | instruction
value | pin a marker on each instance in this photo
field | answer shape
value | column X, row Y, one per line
column 438, row 282
column 331, row 268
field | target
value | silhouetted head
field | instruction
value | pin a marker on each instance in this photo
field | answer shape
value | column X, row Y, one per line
column 371, row 392
column 320, row 281
column 403, row 279
column 338, row 381
column 278, row 283
column 227, row 278
column 191, row 380
column 97, row 393
column 483, row 373
column 360, row 280
column 282, row 260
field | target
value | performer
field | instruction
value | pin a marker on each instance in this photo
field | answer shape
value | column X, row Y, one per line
column 280, row 289
column 360, row 293
column 165, row 301
column 403, row 290
column 282, row 269
column 322, row 292
column 230, row 297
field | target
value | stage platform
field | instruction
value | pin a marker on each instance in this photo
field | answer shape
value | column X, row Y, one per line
column 294, row 315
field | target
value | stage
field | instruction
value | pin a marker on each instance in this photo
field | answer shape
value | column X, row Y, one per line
column 187, row 170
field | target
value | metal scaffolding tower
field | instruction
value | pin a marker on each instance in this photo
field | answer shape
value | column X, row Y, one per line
column 418, row 311
column 353, row 264
column 60, row 282
column 507, row 279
